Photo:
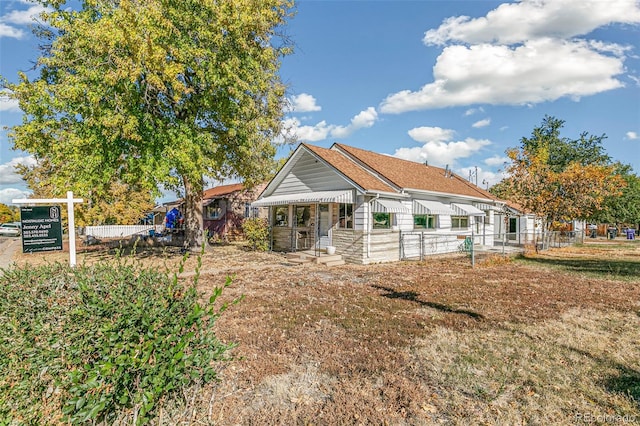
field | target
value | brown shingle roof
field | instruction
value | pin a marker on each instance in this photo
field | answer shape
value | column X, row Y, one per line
column 411, row 175
column 222, row 190
column 350, row 169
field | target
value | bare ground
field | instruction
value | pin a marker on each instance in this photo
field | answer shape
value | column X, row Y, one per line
column 551, row 339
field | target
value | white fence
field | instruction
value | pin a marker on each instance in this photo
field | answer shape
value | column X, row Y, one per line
column 120, row 231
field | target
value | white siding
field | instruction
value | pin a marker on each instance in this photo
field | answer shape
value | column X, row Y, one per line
column 444, row 222
column 405, row 221
column 309, row 175
column 361, row 214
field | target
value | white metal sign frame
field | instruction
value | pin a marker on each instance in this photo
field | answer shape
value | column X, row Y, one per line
column 69, row 201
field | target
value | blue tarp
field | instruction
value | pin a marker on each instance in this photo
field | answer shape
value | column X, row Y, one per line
column 172, row 218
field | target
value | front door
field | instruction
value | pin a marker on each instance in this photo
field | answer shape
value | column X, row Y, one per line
column 513, row 228
column 324, row 224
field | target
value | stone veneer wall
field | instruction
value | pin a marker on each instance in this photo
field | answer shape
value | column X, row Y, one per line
column 281, row 238
column 352, row 245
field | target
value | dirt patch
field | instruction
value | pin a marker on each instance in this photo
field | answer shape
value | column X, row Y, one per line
column 401, row 343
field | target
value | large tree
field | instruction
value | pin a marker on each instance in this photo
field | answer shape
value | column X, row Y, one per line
column 156, row 92
column 559, row 179
column 625, row 206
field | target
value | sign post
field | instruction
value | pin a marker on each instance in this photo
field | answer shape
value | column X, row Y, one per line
column 40, row 223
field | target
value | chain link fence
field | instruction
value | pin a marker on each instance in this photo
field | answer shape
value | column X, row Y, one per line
column 416, row 245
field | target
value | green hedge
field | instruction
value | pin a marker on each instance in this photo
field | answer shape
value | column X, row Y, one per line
column 256, row 231
column 100, row 342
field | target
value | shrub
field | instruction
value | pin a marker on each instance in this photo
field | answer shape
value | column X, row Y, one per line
column 256, row 231
column 94, row 343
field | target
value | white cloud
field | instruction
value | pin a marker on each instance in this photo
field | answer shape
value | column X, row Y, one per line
column 363, row 119
column 522, row 53
column 24, row 17
column 8, row 194
column 522, row 21
column 304, row 103
column 8, row 175
column 9, row 21
column 440, row 153
column 537, row 71
column 481, row 123
column 496, row 161
column 632, row 136
column 8, row 104
column 321, row 131
column 438, row 147
column 9, row 31
column 317, row 132
column 472, row 111
column 431, row 134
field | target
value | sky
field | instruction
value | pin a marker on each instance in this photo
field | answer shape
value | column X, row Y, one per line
column 452, row 82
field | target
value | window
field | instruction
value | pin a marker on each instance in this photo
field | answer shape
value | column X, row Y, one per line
column 345, row 216
column 423, row 221
column 459, row 221
column 281, row 216
column 381, row 220
column 213, row 210
column 303, row 213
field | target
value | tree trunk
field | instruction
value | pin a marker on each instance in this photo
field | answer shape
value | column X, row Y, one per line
column 193, row 219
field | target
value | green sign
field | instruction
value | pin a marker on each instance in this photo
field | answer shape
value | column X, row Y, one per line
column 41, row 228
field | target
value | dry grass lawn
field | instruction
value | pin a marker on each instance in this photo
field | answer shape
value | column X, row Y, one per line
column 548, row 339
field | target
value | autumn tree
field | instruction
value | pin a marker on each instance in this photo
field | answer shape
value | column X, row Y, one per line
column 559, row 179
column 9, row 213
column 155, row 92
column 118, row 203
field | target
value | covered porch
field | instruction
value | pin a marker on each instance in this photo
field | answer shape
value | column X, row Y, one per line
column 306, row 221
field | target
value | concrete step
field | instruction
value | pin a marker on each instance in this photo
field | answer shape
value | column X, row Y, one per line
column 308, row 257
column 299, row 255
column 324, row 258
column 334, row 263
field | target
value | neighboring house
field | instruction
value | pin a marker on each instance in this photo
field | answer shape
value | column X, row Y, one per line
column 373, row 207
column 515, row 225
column 224, row 208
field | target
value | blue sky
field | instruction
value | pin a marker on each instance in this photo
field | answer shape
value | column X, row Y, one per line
column 449, row 82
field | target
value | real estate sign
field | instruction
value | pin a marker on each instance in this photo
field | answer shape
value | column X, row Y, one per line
column 41, row 228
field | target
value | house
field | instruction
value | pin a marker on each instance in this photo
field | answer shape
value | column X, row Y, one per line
column 515, row 225
column 226, row 206
column 373, row 207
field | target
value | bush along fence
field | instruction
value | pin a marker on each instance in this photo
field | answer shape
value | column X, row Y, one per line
column 101, row 343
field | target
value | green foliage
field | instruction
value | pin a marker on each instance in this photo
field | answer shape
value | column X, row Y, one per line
column 256, row 231
column 559, row 179
column 95, row 343
column 586, row 150
column 624, row 207
column 156, row 92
